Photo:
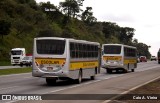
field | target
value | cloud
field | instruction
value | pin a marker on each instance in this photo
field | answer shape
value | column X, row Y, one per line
column 115, row 17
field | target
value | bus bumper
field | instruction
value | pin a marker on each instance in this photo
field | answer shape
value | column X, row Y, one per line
column 39, row 73
column 112, row 66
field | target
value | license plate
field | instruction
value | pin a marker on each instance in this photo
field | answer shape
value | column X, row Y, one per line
column 49, row 68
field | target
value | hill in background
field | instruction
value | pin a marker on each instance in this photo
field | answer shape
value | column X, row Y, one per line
column 23, row 20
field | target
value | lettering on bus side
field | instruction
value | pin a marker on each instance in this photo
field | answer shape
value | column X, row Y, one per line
column 88, row 64
column 49, row 62
column 112, row 58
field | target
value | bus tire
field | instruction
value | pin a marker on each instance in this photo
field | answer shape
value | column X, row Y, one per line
column 95, row 72
column 125, row 71
column 132, row 70
column 93, row 77
column 79, row 80
column 21, row 65
column 109, row 71
column 50, row 81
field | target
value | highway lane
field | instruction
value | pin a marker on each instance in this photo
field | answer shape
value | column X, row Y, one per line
column 115, row 83
column 10, row 67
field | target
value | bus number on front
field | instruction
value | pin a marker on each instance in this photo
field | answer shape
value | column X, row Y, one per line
column 49, row 62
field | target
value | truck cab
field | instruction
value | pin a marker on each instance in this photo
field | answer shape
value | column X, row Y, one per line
column 17, row 54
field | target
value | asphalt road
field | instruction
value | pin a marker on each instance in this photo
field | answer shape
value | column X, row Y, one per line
column 10, row 67
column 115, row 83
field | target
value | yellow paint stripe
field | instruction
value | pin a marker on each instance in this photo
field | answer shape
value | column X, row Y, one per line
column 50, row 60
column 112, row 58
column 80, row 64
column 130, row 61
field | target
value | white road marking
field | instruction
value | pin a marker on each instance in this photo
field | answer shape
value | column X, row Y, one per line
column 28, row 77
column 82, row 84
column 75, row 86
column 9, row 87
column 99, row 79
column 14, row 74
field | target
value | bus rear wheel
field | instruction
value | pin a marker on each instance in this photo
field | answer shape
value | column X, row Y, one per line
column 93, row 77
column 132, row 70
column 51, row 81
column 108, row 71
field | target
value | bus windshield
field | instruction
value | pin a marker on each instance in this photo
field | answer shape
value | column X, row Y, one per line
column 16, row 52
column 55, row 47
column 112, row 49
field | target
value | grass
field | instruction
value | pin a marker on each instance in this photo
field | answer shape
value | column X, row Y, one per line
column 150, row 89
column 5, row 63
column 15, row 71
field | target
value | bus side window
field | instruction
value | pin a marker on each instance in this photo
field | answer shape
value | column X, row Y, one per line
column 72, row 50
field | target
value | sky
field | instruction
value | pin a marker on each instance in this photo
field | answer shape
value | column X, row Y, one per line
column 142, row 15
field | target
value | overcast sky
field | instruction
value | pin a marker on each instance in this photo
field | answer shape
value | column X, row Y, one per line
column 142, row 15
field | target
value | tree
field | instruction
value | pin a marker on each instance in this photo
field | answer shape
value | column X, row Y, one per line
column 87, row 16
column 24, row 1
column 4, row 27
column 143, row 49
column 110, row 29
column 50, row 10
column 46, row 33
column 126, row 35
column 22, row 27
column 71, row 7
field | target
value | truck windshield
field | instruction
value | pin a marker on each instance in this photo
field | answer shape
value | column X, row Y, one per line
column 16, row 52
column 112, row 49
column 55, row 47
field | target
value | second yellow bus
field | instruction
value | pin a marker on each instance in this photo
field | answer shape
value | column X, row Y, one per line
column 118, row 57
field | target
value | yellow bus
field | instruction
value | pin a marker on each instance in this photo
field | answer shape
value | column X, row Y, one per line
column 63, row 58
column 118, row 57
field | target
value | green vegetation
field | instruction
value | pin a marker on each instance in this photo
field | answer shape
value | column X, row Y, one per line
column 150, row 89
column 23, row 20
column 5, row 63
column 14, row 71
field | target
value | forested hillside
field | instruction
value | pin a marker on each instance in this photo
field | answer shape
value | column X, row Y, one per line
column 23, row 20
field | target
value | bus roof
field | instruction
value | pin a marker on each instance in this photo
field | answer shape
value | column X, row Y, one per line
column 70, row 39
column 83, row 41
column 120, row 45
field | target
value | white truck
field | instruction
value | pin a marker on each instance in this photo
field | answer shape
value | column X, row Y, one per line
column 17, row 54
